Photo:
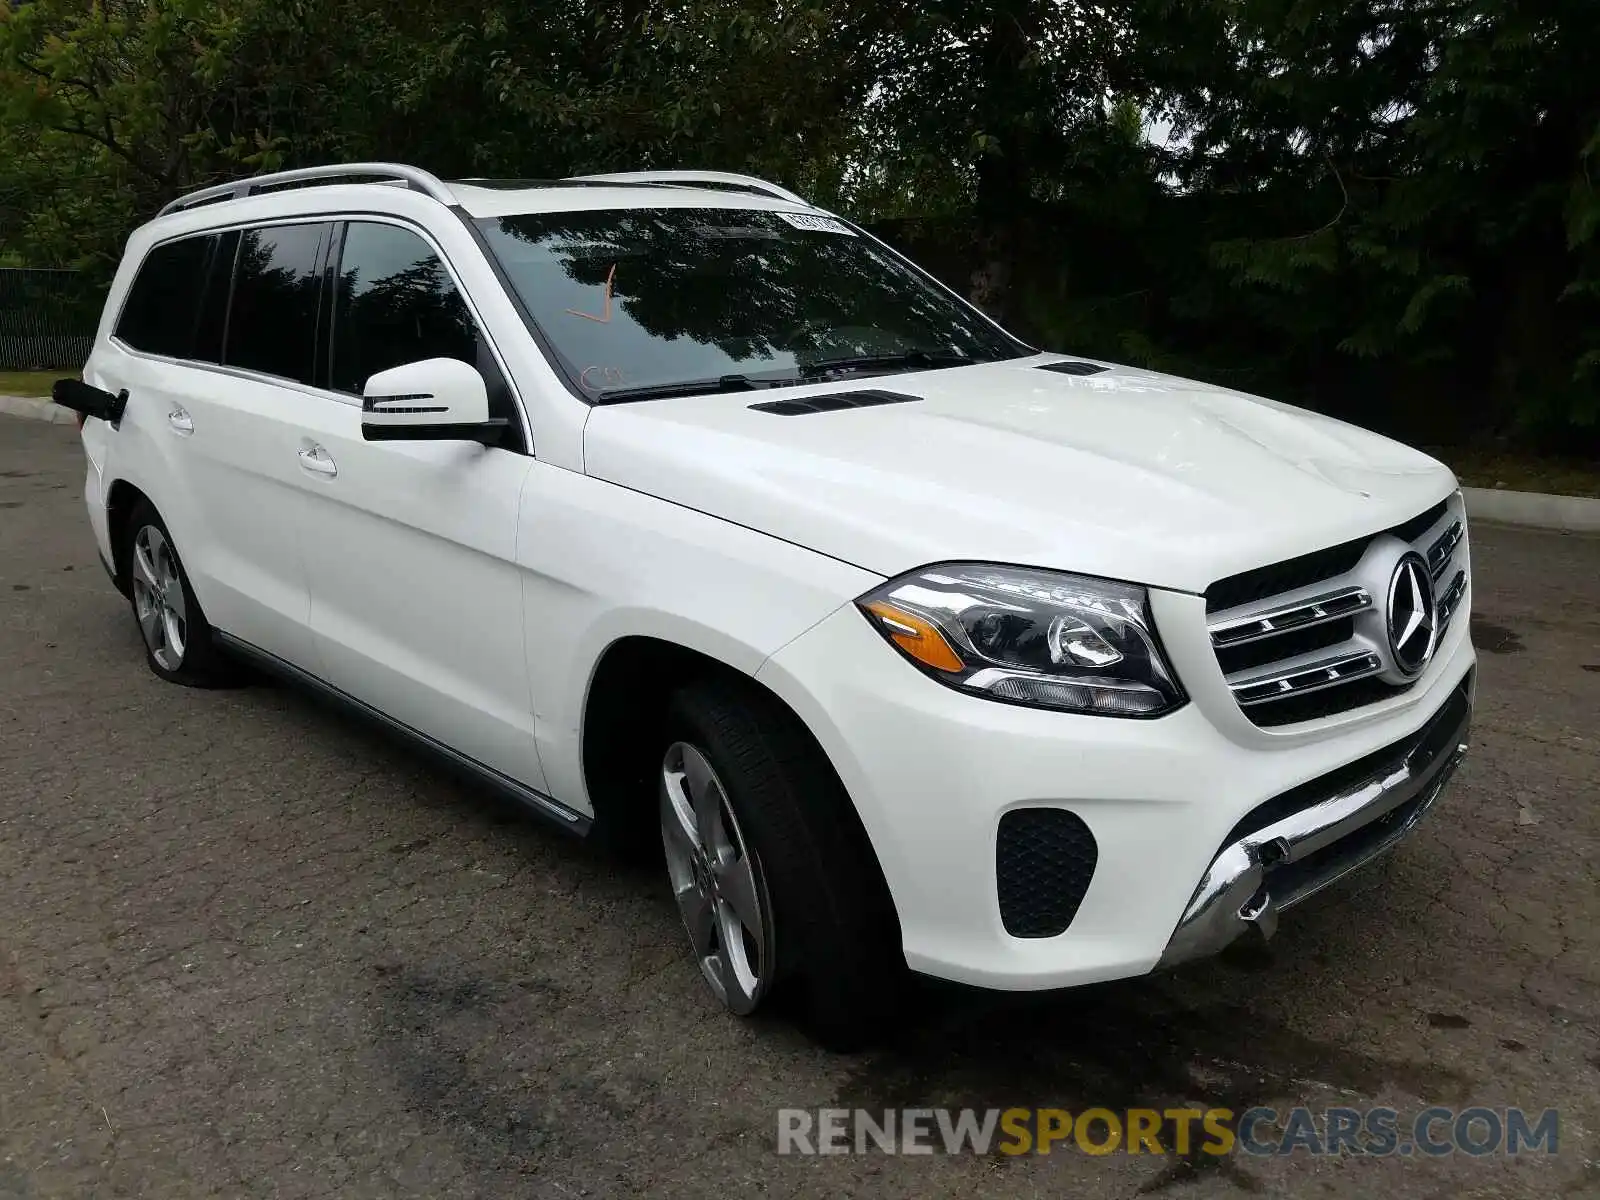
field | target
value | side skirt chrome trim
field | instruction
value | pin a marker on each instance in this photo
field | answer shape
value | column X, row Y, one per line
column 536, row 802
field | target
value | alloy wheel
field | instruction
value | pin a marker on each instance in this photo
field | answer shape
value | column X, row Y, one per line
column 716, row 879
column 158, row 598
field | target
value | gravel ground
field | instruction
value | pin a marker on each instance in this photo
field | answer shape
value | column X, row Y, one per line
column 249, row 947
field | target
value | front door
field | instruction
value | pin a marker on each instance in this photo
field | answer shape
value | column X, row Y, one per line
column 409, row 547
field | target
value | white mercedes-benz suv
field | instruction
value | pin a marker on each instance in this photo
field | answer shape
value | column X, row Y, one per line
column 694, row 516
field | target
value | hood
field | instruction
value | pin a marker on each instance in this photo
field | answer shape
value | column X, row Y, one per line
column 1125, row 474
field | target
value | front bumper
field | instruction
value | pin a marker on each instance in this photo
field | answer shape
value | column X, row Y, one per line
column 1169, row 802
column 1319, row 833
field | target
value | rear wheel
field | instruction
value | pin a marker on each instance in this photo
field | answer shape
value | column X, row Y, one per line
column 776, row 883
column 177, row 640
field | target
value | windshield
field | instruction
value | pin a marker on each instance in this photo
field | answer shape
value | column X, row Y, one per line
column 655, row 300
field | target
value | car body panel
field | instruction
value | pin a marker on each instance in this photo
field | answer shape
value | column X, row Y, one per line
column 416, row 599
column 1125, row 474
column 226, row 486
column 932, row 770
column 601, row 563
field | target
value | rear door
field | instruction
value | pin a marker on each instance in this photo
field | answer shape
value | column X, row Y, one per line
column 410, row 547
column 240, row 432
column 216, row 346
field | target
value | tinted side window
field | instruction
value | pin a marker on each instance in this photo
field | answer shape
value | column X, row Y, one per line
column 394, row 303
column 159, row 314
column 272, row 324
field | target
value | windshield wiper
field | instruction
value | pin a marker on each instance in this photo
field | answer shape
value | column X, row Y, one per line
column 909, row 360
column 688, row 387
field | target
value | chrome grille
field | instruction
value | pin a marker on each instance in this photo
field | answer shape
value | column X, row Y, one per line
column 1307, row 638
column 1443, row 550
column 1450, row 597
column 1297, row 681
column 1298, row 615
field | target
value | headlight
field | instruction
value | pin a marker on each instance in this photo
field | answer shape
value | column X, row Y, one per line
column 1041, row 638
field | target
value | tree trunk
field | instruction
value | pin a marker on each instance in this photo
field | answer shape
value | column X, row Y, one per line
column 1005, row 116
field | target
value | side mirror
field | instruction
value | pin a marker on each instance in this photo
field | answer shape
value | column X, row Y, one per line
column 435, row 400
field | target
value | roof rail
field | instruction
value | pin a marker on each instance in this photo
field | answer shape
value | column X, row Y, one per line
column 415, row 179
column 699, row 178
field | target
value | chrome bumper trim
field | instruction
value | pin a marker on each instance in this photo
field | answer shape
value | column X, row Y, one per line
column 1263, row 873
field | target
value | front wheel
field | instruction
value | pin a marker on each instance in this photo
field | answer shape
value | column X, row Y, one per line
column 718, row 881
column 777, row 885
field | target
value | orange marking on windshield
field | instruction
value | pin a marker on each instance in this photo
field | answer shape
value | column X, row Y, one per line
column 610, row 376
column 605, row 311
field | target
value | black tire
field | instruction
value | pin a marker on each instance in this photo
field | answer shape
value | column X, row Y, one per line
column 837, row 939
column 200, row 663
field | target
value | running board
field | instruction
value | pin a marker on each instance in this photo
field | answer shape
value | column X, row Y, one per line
column 534, row 801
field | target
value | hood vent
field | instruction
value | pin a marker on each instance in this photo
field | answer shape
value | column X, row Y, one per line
column 1074, row 368
column 868, row 398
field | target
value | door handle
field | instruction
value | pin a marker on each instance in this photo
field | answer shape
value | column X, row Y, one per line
column 180, row 420
column 318, row 461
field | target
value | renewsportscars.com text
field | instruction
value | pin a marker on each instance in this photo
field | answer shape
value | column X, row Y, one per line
column 1431, row 1132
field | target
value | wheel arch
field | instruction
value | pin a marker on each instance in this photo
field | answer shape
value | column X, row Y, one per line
column 122, row 497
column 623, row 727
column 623, row 717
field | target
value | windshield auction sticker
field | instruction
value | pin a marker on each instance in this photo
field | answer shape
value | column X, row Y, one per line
column 816, row 222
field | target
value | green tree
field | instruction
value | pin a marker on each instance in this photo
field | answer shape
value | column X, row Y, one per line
column 1417, row 177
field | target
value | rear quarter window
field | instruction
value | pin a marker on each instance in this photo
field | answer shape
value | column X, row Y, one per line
column 163, row 305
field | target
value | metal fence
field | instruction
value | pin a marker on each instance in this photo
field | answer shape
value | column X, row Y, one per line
column 47, row 318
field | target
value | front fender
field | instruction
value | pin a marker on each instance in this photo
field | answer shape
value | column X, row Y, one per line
column 601, row 563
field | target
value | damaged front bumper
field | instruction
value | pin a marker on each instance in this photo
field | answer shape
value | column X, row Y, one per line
column 1298, row 843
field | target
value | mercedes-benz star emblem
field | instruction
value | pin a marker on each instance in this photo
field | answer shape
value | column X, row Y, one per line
column 1412, row 618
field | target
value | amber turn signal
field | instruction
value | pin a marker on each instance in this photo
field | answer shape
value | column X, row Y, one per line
column 917, row 636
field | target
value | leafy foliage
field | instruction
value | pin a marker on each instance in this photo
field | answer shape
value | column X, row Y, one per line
column 1386, row 208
